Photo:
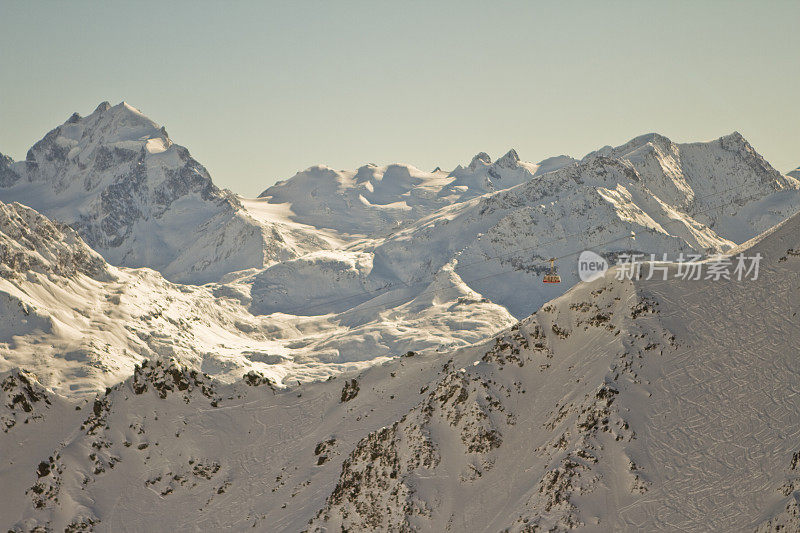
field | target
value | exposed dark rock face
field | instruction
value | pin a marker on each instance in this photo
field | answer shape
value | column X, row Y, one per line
column 350, row 390
column 167, row 377
column 7, row 175
column 23, row 399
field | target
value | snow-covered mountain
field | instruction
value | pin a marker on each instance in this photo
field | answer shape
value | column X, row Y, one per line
column 794, row 173
column 614, row 408
column 140, row 200
column 375, row 200
column 676, row 198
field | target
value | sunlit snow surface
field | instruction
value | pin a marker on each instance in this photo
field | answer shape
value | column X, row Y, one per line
column 619, row 406
column 82, row 329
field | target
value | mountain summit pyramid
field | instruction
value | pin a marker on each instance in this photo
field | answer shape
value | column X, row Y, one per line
column 143, row 201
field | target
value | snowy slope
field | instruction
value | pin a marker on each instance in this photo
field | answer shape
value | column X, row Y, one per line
column 81, row 324
column 369, row 200
column 794, row 173
column 140, row 200
column 615, row 407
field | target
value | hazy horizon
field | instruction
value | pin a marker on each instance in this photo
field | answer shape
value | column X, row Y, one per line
column 259, row 92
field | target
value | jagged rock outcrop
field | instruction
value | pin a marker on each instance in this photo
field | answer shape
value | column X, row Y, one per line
column 30, row 243
column 22, row 397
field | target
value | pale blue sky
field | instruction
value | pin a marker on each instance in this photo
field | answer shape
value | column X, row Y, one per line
column 258, row 91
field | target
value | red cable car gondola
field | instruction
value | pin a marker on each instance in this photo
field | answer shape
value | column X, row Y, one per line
column 552, row 277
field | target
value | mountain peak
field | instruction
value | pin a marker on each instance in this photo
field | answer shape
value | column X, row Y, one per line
column 106, row 112
column 735, row 138
column 480, row 158
column 653, row 139
column 510, row 160
column 737, row 143
column 7, row 175
column 125, row 106
column 649, row 137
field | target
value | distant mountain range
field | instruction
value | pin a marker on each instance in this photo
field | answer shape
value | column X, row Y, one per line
column 329, row 270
